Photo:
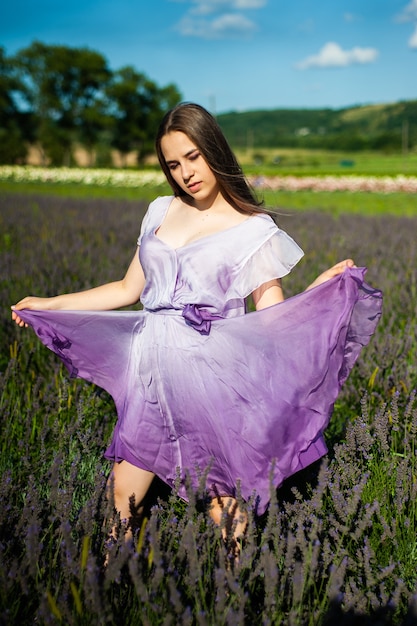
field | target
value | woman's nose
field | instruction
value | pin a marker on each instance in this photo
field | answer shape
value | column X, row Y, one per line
column 187, row 171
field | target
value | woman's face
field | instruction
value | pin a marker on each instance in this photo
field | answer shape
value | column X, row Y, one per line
column 189, row 169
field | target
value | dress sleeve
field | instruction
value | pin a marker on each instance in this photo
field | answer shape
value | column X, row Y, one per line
column 145, row 225
column 154, row 215
column 274, row 258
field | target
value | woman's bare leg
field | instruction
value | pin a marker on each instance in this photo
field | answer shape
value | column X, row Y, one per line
column 235, row 523
column 129, row 485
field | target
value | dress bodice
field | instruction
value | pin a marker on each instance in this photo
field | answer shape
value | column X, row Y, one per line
column 217, row 271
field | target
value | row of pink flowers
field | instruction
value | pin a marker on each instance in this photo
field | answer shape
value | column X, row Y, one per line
column 374, row 184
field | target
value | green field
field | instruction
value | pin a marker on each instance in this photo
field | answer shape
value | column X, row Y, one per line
column 283, row 161
column 338, row 543
column 281, row 201
column 298, row 163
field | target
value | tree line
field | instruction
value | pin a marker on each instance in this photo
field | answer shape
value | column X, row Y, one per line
column 389, row 128
column 58, row 97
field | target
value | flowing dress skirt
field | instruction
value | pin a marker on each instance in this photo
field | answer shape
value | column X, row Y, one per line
column 252, row 396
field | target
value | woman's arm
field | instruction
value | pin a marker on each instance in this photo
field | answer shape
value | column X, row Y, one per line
column 104, row 298
column 271, row 292
column 268, row 294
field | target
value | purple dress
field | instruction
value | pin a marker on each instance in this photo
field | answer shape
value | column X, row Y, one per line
column 200, row 384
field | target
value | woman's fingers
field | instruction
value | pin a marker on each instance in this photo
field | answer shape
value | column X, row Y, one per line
column 341, row 266
column 337, row 269
column 17, row 319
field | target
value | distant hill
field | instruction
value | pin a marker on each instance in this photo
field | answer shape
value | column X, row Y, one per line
column 382, row 127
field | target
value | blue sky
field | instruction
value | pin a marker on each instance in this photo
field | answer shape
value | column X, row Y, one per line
column 240, row 54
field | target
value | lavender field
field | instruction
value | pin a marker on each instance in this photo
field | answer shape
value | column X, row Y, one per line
column 338, row 544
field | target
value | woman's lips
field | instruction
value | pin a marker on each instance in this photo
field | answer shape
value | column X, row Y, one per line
column 194, row 187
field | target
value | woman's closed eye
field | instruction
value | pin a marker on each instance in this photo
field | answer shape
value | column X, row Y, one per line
column 191, row 157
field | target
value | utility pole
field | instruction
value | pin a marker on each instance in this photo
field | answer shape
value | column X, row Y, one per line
column 405, row 134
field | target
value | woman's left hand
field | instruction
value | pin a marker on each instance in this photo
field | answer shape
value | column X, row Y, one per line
column 332, row 272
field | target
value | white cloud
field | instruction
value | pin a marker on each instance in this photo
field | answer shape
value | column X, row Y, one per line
column 412, row 42
column 226, row 25
column 332, row 55
column 409, row 13
column 218, row 19
column 206, row 7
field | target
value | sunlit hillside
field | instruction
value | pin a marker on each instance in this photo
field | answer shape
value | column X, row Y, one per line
column 383, row 127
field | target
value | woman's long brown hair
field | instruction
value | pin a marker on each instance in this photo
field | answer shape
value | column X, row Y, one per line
column 203, row 130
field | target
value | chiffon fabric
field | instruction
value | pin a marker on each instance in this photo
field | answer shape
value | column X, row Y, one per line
column 200, row 385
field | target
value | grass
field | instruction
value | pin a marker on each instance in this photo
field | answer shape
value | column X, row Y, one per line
column 83, row 191
column 292, row 162
column 273, row 162
column 371, row 204
column 338, row 543
column 342, row 202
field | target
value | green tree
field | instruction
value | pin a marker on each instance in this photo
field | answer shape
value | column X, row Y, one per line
column 136, row 105
column 15, row 126
column 388, row 142
column 65, row 90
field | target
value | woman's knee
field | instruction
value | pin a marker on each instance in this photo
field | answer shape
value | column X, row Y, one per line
column 129, row 484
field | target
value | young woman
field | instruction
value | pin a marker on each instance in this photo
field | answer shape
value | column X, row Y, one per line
column 200, row 386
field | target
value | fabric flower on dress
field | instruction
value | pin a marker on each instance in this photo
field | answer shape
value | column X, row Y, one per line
column 199, row 318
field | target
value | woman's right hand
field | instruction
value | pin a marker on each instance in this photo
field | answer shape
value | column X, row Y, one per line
column 30, row 302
